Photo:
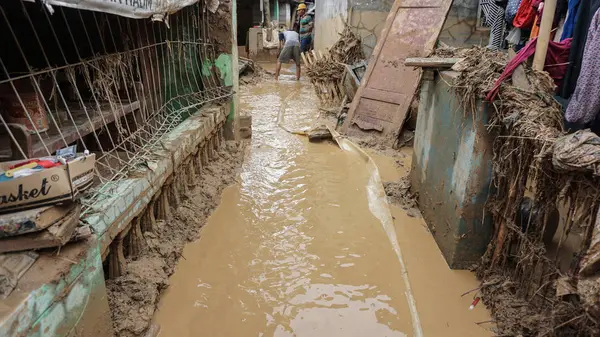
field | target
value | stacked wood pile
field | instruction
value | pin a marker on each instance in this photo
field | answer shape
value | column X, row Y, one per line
column 326, row 70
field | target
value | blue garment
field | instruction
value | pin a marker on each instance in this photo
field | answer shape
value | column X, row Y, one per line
column 306, row 43
column 571, row 19
column 511, row 10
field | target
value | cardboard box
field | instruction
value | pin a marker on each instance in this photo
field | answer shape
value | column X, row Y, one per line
column 48, row 187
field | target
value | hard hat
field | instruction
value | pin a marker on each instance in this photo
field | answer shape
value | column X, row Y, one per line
column 301, row 6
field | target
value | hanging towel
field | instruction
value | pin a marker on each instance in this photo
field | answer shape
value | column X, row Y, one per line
column 556, row 57
column 586, row 11
column 570, row 21
column 559, row 31
column 585, row 103
column 525, row 15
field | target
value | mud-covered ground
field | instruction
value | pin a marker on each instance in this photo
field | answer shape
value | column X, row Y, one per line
column 133, row 297
column 398, row 193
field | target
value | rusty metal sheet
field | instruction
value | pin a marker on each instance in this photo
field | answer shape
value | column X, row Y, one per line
column 385, row 94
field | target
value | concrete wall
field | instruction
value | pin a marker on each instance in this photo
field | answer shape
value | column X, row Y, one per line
column 330, row 16
column 452, row 171
column 460, row 28
column 60, row 296
column 367, row 17
column 368, row 25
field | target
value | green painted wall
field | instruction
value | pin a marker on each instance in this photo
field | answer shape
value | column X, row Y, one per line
column 224, row 64
column 233, row 113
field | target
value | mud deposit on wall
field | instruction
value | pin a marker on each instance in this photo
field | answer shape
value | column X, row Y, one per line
column 133, row 297
column 220, row 27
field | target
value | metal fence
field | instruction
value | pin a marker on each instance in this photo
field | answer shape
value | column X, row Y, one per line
column 111, row 85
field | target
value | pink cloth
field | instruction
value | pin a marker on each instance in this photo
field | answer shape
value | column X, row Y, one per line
column 557, row 60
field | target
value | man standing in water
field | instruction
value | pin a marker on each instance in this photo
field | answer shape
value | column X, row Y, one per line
column 289, row 41
column 306, row 28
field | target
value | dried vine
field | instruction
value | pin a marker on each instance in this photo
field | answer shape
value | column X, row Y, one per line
column 520, row 272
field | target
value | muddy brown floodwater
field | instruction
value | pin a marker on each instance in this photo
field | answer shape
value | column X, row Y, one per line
column 296, row 249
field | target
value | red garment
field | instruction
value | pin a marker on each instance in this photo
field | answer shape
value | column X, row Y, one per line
column 525, row 15
column 557, row 59
column 536, row 5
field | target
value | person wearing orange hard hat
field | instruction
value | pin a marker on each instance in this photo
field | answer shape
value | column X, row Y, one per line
column 306, row 28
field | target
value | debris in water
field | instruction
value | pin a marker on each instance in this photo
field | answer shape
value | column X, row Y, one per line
column 399, row 193
column 475, row 302
column 250, row 72
column 319, row 133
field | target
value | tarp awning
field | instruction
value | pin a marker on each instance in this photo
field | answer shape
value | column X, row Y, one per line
column 136, row 9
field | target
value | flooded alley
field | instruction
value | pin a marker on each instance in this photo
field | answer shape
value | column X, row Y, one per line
column 299, row 168
column 297, row 247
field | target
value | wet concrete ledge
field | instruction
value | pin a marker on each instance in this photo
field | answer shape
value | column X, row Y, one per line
column 65, row 294
column 127, row 199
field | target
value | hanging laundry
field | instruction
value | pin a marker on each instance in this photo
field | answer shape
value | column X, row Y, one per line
column 559, row 31
column 570, row 20
column 555, row 65
column 535, row 30
column 525, row 15
column 511, row 10
column 494, row 18
column 561, row 10
column 538, row 5
column 586, row 12
column 585, row 103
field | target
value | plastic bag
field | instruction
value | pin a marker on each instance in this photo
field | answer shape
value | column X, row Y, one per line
column 514, row 36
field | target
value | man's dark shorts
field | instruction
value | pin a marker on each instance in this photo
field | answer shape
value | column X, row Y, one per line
column 290, row 53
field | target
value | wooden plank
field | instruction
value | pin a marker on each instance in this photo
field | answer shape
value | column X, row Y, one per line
column 431, row 62
column 541, row 48
column 309, row 58
column 305, row 59
column 53, row 236
column 82, row 127
column 33, row 145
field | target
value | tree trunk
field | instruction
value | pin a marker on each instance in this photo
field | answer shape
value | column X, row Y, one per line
column 267, row 12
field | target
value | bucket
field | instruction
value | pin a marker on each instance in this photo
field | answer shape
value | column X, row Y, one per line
column 13, row 111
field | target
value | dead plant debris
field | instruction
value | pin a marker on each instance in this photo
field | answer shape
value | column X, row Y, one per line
column 328, row 70
column 519, row 276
